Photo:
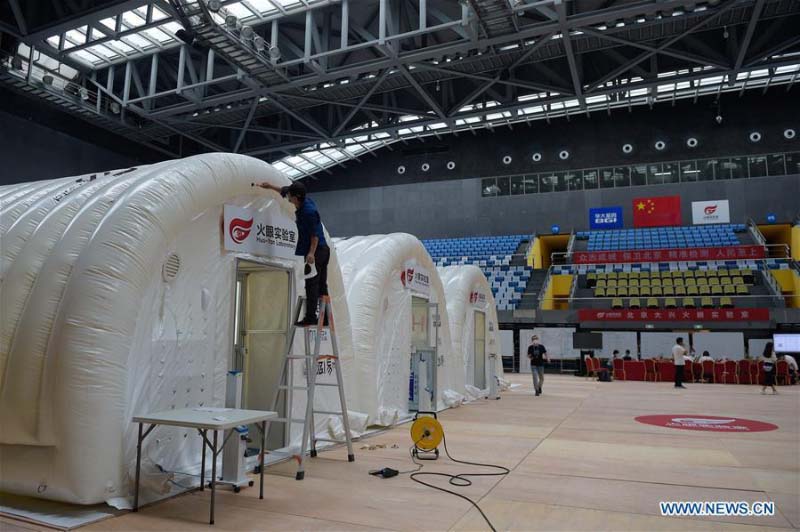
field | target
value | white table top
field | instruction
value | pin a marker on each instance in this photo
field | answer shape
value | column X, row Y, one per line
column 206, row 417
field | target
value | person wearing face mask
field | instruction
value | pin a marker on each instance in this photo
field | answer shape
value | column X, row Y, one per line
column 538, row 356
column 311, row 245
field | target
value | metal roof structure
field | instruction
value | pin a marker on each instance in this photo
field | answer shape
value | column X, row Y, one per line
column 309, row 84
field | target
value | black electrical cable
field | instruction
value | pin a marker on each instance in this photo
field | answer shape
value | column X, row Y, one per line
column 459, row 480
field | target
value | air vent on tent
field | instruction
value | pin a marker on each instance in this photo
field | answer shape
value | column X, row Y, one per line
column 171, row 266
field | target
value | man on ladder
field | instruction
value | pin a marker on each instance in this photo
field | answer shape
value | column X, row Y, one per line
column 311, row 244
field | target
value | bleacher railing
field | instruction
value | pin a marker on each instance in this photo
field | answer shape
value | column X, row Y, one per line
column 772, row 283
column 756, row 232
column 778, row 300
column 545, row 286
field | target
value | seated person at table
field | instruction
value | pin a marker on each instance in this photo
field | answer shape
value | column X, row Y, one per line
column 706, row 357
column 627, row 355
column 790, row 360
column 614, row 356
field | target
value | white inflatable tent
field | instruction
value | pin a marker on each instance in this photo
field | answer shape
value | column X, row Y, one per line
column 390, row 281
column 473, row 323
column 119, row 298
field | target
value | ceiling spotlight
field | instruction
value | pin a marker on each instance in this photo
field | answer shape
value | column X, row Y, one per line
column 214, row 5
column 247, row 32
column 231, row 22
column 259, row 44
column 660, row 145
column 401, row 169
column 755, row 136
column 563, row 155
column 692, row 142
column 789, row 134
column 451, row 165
column 507, row 159
column 718, row 119
column 274, row 53
column 536, row 157
column 627, row 148
column 425, row 167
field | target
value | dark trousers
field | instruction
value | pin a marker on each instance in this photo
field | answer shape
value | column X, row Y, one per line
column 318, row 285
column 679, row 375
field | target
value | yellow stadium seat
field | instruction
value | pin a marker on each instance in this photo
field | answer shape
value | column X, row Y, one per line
column 714, row 281
column 622, row 291
column 616, row 303
column 633, row 291
column 691, row 281
column 656, row 291
column 702, row 281
column 724, row 272
column 644, row 291
column 726, row 302
column 668, row 290
column 612, row 283
column 644, row 281
column 738, row 280
column 680, row 291
column 705, row 290
column 611, row 291
column 601, row 283
column 729, row 289
column 725, row 280
column 716, row 289
column 688, row 302
column 670, row 303
column 667, row 282
column 692, row 290
column 741, row 290
column 652, row 302
column 633, row 282
column 707, row 302
column 635, row 303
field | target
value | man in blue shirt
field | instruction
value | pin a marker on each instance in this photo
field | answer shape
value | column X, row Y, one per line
column 311, row 244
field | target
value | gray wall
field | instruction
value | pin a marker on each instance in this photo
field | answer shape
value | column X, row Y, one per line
column 31, row 151
column 456, row 208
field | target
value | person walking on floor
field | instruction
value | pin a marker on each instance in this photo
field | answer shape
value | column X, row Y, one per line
column 311, row 245
column 678, row 352
column 538, row 356
column 769, row 360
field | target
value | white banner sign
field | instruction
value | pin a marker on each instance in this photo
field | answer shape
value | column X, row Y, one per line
column 477, row 298
column 416, row 278
column 711, row 212
column 260, row 233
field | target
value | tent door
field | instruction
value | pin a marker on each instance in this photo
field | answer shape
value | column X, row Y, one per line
column 423, row 378
column 479, row 351
column 262, row 323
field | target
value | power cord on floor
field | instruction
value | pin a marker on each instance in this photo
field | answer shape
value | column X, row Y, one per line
column 460, row 480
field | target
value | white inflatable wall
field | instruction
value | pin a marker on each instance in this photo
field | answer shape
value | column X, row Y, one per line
column 380, row 310
column 91, row 332
column 467, row 291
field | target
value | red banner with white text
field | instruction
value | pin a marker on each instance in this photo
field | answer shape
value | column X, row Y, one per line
column 695, row 315
column 669, row 255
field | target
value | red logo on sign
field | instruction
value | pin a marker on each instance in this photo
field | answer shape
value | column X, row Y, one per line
column 711, row 209
column 239, row 229
column 706, row 423
column 407, row 276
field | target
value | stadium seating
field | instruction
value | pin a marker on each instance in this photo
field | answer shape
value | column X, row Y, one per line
column 494, row 256
column 662, row 237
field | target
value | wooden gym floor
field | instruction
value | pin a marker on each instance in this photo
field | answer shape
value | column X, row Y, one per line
column 579, row 462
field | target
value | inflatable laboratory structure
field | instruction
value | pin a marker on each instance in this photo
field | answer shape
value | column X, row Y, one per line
column 401, row 331
column 473, row 324
column 130, row 292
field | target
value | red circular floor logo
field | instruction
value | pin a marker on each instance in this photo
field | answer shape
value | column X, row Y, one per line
column 706, row 423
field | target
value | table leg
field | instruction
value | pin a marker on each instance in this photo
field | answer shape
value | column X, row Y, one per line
column 203, row 466
column 138, row 469
column 213, row 475
column 261, row 460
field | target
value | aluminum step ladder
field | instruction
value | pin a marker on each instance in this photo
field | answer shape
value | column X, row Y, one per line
column 311, row 359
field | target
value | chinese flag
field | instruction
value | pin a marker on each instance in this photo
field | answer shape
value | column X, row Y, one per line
column 658, row 211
